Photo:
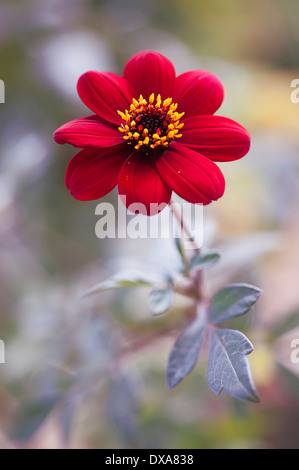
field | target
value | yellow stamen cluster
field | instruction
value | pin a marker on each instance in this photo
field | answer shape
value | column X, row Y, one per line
column 152, row 123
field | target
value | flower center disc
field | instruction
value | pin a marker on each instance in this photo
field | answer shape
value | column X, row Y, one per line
column 152, row 123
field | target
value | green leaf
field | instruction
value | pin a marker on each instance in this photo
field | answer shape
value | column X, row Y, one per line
column 31, row 416
column 228, row 367
column 232, row 301
column 161, row 299
column 178, row 244
column 287, row 324
column 290, row 380
column 128, row 278
column 204, row 260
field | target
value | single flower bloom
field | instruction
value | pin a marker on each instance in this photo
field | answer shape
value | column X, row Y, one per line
column 152, row 133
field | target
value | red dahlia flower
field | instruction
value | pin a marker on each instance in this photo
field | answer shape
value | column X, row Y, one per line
column 152, row 133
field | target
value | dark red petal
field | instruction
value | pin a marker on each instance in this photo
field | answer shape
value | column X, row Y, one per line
column 93, row 172
column 140, row 182
column 89, row 131
column 150, row 72
column 105, row 93
column 219, row 138
column 198, row 92
column 192, row 176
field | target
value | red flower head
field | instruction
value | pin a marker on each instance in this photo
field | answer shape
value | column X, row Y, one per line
column 152, row 133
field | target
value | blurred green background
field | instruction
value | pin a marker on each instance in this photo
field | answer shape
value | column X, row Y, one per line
column 71, row 379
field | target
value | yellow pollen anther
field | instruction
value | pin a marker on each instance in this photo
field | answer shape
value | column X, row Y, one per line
column 138, row 145
column 156, row 121
column 122, row 115
column 167, row 102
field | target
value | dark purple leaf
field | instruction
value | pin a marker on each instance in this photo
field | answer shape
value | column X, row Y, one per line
column 228, row 367
column 204, row 260
column 32, row 414
column 122, row 405
column 232, row 301
column 185, row 352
